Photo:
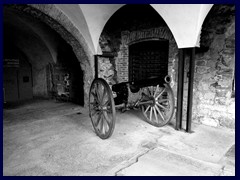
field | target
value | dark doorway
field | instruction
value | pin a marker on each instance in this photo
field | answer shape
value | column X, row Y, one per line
column 148, row 59
column 17, row 77
column 68, row 75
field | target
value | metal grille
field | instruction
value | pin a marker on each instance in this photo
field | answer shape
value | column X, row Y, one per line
column 148, row 59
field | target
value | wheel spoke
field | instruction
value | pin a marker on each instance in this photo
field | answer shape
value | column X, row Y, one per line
column 98, row 119
column 101, row 125
column 150, row 117
column 94, row 113
column 107, row 118
column 159, row 105
column 160, row 113
column 101, row 92
column 104, row 94
column 145, row 97
column 105, row 125
column 98, row 95
column 107, row 102
column 157, row 89
column 95, row 97
column 93, row 105
column 147, row 109
column 163, row 100
column 155, row 113
column 109, row 110
column 149, row 92
column 152, row 90
column 161, row 93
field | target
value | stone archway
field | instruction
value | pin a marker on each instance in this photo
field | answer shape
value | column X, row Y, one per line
column 55, row 19
column 126, row 27
column 128, row 38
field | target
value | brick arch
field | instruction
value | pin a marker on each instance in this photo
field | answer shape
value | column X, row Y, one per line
column 163, row 32
column 59, row 22
column 137, row 36
column 128, row 38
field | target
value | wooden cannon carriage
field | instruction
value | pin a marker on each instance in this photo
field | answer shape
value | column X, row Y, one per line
column 155, row 98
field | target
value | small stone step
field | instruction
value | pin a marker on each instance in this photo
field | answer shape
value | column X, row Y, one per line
column 159, row 162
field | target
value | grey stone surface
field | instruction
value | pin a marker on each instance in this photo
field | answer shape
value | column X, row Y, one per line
column 214, row 71
column 159, row 162
column 53, row 138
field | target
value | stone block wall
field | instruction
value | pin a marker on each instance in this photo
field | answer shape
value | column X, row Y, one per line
column 106, row 69
column 213, row 103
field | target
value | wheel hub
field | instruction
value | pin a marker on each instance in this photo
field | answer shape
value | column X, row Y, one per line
column 103, row 108
column 153, row 101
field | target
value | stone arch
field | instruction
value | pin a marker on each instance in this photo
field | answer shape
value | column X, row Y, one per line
column 59, row 22
column 118, row 45
column 150, row 5
column 159, row 33
column 129, row 38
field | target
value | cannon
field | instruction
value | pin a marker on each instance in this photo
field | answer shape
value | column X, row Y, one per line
column 155, row 99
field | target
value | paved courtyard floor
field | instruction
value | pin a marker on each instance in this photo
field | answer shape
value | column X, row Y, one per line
column 52, row 138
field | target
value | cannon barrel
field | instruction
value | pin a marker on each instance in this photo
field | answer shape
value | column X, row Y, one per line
column 152, row 81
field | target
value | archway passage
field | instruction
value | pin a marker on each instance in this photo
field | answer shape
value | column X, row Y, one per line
column 132, row 24
column 31, row 51
column 66, row 81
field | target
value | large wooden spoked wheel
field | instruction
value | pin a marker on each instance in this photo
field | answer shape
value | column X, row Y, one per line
column 102, row 108
column 159, row 107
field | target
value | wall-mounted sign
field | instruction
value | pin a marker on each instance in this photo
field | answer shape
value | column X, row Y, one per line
column 11, row 63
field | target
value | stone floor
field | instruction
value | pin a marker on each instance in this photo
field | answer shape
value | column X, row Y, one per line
column 52, row 138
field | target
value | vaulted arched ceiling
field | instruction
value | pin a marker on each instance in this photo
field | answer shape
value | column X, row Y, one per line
column 184, row 20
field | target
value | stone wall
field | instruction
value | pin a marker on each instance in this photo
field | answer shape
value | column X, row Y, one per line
column 106, row 69
column 119, row 65
column 213, row 103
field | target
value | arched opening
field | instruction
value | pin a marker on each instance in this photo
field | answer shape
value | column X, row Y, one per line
column 129, row 25
column 37, row 59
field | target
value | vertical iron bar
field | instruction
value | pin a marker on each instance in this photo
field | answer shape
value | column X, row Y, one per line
column 190, row 89
column 96, row 66
column 18, row 85
column 181, row 60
